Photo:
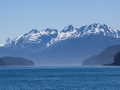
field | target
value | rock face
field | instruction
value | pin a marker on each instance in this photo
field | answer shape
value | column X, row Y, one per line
column 2, row 63
column 105, row 57
column 66, row 47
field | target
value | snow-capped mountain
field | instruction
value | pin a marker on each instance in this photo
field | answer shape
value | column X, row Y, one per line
column 51, row 36
column 68, row 46
column 93, row 29
column 97, row 28
column 34, row 37
column 67, row 33
column 8, row 41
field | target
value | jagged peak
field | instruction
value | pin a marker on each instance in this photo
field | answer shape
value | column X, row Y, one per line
column 68, row 28
column 8, row 41
column 34, row 31
column 102, row 26
column 48, row 31
column 95, row 26
column 68, row 32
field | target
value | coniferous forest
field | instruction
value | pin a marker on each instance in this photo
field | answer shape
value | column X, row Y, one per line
column 116, row 60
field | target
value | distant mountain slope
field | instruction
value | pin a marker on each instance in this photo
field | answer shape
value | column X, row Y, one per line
column 105, row 57
column 73, row 51
column 16, row 61
column 66, row 47
column 2, row 63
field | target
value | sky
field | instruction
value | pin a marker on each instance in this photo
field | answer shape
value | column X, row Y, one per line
column 18, row 17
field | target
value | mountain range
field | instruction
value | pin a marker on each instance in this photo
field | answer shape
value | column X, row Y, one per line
column 66, row 47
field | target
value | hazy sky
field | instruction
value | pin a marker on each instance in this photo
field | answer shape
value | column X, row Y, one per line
column 20, row 16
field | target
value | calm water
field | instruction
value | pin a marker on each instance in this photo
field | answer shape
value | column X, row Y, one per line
column 60, row 78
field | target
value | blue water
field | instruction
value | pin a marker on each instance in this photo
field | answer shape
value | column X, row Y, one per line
column 60, row 78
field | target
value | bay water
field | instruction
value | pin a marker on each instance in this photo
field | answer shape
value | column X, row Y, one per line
column 60, row 78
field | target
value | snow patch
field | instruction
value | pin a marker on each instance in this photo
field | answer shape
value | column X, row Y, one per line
column 2, row 44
